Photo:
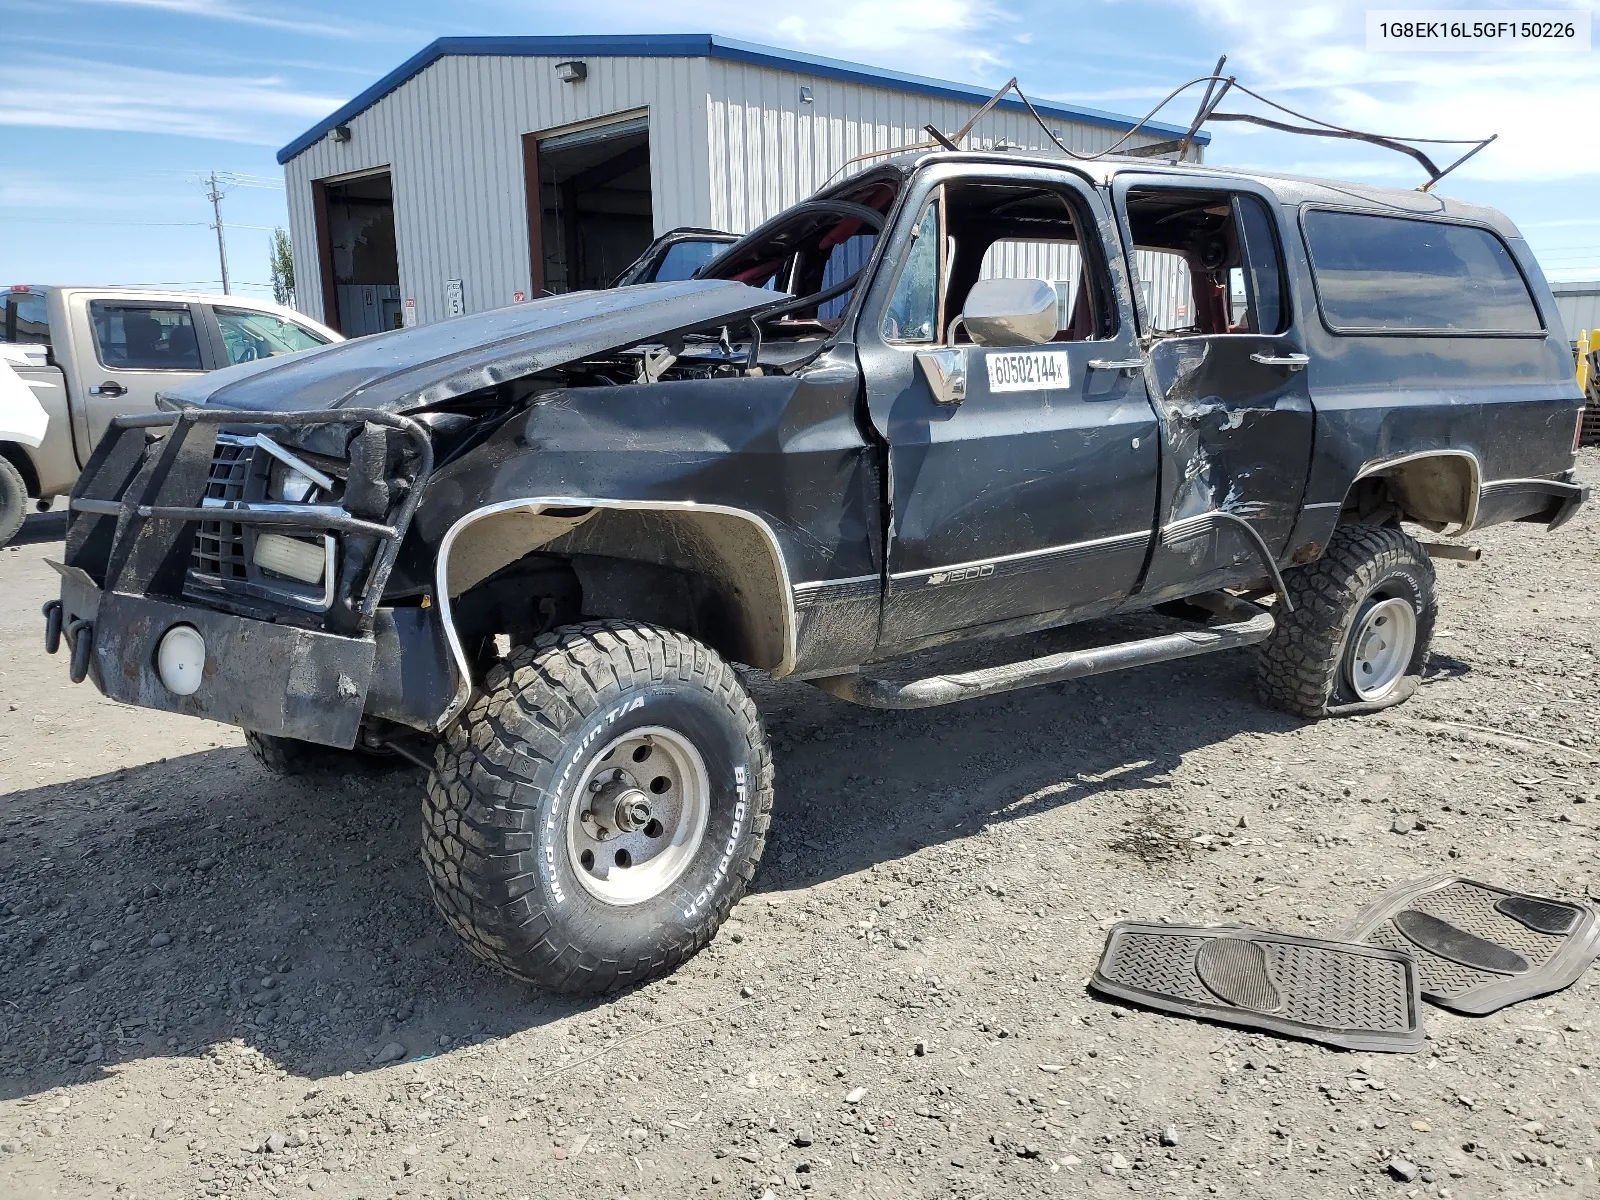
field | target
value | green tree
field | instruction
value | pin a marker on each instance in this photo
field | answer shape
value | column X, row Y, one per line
column 282, row 266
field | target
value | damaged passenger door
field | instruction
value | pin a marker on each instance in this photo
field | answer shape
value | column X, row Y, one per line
column 1226, row 369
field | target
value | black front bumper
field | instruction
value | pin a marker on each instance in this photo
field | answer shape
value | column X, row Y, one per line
column 129, row 545
column 277, row 679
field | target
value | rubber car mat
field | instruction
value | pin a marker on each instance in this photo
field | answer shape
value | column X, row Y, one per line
column 1479, row 947
column 1352, row 996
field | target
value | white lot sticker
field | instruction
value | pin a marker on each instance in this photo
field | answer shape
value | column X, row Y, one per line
column 1030, row 371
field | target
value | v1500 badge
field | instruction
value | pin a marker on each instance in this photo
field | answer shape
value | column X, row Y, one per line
column 1047, row 369
column 960, row 575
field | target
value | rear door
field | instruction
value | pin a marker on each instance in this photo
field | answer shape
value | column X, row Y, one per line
column 1225, row 361
column 134, row 349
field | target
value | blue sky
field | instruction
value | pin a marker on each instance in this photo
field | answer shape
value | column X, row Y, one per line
column 112, row 110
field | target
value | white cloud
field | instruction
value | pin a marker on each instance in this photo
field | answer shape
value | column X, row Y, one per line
column 1312, row 55
column 67, row 93
column 277, row 18
column 948, row 39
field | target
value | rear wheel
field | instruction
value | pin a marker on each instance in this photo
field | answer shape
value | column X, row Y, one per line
column 1362, row 625
column 13, row 500
column 597, row 811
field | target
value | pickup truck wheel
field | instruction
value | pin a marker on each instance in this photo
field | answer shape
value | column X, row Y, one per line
column 599, row 808
column 13, row 501
column 1362, row 622
column 290, row 756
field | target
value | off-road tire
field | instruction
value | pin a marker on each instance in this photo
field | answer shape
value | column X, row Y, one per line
column 13, row 500
column 495, row 815
column 290, row 756
column 1301, row 666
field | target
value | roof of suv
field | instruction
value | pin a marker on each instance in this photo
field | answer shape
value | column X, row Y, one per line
column 1289, row 189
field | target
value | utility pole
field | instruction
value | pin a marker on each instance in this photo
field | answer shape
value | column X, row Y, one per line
column 215, row 194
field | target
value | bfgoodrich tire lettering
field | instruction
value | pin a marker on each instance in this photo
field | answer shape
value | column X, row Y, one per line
column 505, row 778
column 1303, row 665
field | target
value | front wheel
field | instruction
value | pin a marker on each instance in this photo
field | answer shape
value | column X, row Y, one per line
column 290, row 756
column 597, row 811
column 1362, row 625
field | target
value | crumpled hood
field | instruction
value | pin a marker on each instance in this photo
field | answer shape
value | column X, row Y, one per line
column 412, row 368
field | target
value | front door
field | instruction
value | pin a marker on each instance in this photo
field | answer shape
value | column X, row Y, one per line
column 140, row 347
column 1226, row 368
column 1028, row 501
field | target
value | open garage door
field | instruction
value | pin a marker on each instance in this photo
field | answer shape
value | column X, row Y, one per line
column 356, row 251
column 591, row 213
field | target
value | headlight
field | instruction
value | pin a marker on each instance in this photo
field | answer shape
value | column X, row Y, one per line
column 304, row 561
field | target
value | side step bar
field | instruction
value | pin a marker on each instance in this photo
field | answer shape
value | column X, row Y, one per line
column 1246, row 625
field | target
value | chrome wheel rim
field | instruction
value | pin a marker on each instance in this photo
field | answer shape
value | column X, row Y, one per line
column 1381, row 646
column 638, row 816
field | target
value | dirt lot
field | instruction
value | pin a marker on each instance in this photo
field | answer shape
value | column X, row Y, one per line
column 215, row 983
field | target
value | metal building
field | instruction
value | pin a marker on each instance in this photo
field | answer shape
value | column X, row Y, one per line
column 1579, row 305
column 485, row 171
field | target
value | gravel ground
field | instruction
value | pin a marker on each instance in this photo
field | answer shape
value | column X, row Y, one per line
column 217, row 983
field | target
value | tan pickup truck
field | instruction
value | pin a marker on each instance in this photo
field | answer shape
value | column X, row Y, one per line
column 96, row 353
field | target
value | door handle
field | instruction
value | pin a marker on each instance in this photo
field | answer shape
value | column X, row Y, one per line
column 1295, row 362
column 109, row 388
column 1129, row 365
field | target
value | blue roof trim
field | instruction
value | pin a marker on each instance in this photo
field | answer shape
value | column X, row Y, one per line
column 697, row 45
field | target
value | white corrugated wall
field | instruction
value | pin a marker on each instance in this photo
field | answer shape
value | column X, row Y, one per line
column 730, row 145
column 452, row 139
column 769, row 150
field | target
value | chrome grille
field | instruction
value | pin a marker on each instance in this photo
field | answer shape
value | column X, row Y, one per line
column 219, row 546
column 222, row 558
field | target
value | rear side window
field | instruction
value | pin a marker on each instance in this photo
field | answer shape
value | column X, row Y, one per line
column 144, row 337
column 1389, row 274
column 24, row 319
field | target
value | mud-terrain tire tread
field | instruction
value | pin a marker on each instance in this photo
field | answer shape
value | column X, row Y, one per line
column 13, row 500
column 290, row 756
column 1298, row 666
column 495, row 763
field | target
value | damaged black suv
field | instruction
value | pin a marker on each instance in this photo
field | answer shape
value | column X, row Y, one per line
column 959, row 395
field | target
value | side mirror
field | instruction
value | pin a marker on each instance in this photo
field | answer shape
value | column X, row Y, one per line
column 946, row 372
column 1010, row 312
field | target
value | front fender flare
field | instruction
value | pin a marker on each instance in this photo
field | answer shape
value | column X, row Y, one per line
column 782, row 661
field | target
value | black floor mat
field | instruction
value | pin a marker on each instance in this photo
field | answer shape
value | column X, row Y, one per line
column 1352, row 996
column 1478, row 947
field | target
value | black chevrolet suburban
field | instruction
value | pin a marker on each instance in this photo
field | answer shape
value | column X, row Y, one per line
column 960, row 395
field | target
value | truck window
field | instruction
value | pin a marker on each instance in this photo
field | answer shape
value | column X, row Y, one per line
column 24, row 319
column 1384, row 274
column 251, row 335
column 1209, row 262
column 1024, row 231
column 683, row 259
column 136, row 336
column 913, row 312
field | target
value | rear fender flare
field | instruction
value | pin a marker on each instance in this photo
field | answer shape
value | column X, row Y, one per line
column 553, row 516
column 1421, row 479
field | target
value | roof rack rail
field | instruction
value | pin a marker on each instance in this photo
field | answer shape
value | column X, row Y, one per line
column 1207, row 111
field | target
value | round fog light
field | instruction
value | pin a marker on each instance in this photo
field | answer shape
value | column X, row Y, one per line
column 181, row 660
